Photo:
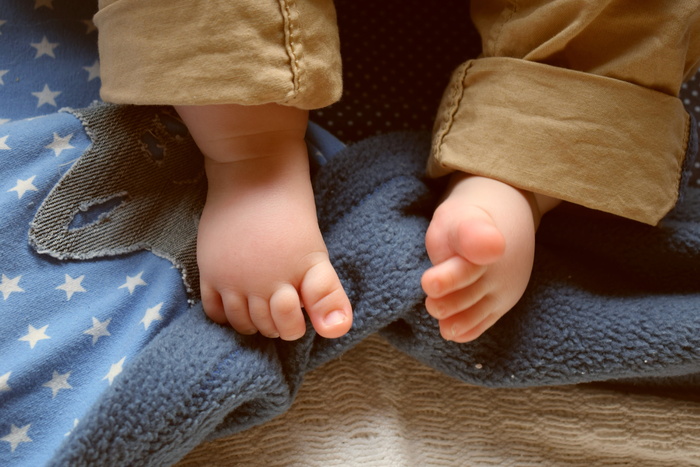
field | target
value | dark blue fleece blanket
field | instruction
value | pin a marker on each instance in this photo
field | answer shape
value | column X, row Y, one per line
column 609, row 299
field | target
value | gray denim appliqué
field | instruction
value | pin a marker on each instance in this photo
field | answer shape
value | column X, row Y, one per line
column 139, row 186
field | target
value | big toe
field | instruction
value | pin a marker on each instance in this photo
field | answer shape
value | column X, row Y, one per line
column 325, row 301
column 478, row 240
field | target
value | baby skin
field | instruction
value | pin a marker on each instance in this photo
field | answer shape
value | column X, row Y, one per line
column 259, row 247
column 263, row 261
column 481, row 242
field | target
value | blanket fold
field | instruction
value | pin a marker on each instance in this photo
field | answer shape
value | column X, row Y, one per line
column 609, row 299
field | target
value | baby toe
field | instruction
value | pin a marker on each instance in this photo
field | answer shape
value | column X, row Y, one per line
column 325, row 301
column 452, row 275
column 213, row 305
column 285, row 309
column 478, row 239
column 466, row 325
column 234, row 308
column 259, row 309
column 457, row 302
column 479, row 329
column 237, row 315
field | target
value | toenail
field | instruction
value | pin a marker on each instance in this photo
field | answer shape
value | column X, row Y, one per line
column 441, row 311
column 294, row 337
column 334, row 317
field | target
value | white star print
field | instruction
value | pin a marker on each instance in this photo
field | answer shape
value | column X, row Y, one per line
column 46, row 96
column 114, row 370
column 17, row 436
column 39, row 3
column 4, row 387
column 2, row 21
column 35, row 335
column 4, row 120
column 7, row 286
column 71, row 286
column 93, row 70
column 3, row 73
column 58, row 382
column 60, row 144
column 152, row 314
column 24, row 186
column 132, row 282
column 98, row 329
column 44, row 48
column 3, row 143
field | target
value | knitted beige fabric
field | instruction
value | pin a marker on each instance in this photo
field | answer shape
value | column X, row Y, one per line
column 377, row 406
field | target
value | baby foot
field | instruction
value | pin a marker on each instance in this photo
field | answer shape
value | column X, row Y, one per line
column 261, row 254
column 481, row 242
column 259, row 247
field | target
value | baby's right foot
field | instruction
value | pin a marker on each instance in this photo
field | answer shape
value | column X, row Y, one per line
column 261, row 254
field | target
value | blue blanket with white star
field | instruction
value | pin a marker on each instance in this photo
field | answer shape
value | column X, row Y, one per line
column 107, row 359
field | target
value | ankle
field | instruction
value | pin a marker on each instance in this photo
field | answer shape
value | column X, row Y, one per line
column 229, row 132
column 539, row 204
column 271, row 173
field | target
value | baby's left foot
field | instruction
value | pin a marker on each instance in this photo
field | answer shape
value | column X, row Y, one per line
column 481, row 242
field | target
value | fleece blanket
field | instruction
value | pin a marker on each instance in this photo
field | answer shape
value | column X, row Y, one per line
column 609, row 299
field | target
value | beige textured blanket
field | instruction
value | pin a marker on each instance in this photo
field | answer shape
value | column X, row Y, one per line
column 377, row 406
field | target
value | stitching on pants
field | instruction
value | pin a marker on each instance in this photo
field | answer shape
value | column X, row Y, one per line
column 457, row 92
column 289, row 10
